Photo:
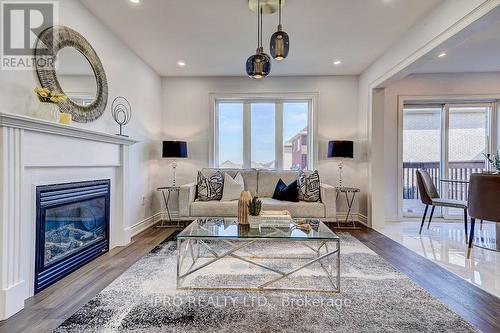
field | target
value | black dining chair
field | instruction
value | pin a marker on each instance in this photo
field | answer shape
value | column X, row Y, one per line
column 484, row 191
column 430, row 197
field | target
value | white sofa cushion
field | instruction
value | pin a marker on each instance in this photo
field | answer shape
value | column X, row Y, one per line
column 268, row 179
column 214, row 208
column 232, row 187
column 296, row 209
column 249, row 177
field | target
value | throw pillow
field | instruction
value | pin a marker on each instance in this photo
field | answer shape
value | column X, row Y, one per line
column 309, row 186
column 232, row 187
column 210, row 188
column 285, row 192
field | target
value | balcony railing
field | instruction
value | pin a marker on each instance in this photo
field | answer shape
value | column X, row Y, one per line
column 457, row 171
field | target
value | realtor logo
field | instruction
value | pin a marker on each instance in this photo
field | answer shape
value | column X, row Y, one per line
column 21, row 24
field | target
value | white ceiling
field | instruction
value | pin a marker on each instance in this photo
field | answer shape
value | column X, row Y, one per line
column 215, row 37
column 474, row 49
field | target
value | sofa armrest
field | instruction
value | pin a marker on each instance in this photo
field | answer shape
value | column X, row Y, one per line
column 187, row 195
column 329, row 198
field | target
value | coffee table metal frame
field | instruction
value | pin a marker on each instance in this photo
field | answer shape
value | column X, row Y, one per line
column 188, row 248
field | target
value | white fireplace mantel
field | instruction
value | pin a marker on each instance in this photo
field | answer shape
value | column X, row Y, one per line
column 37, row 152
column 38, row 125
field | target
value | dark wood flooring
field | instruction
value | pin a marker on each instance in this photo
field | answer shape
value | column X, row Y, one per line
column 48, row 309
column 51, row 307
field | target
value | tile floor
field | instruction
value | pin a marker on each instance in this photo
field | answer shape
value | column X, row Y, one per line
column 444, row 243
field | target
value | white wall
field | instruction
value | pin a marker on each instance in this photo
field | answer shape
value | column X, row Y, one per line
column 127, row 76
column 186, row 117
column 438, row 85
column 445, row 21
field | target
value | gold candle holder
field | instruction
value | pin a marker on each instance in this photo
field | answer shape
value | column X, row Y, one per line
column 65, row 118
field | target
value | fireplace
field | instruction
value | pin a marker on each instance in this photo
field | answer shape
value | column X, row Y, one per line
column 72, row 228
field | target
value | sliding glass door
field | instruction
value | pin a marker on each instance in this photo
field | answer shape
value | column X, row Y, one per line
column 421, row 150
column 449, row 141
column 467, row 139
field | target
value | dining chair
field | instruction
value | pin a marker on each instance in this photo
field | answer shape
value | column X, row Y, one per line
column 484, row 191
column 430, row 197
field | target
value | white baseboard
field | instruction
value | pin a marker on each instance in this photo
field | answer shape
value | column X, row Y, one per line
column 144, row 224
column 12, row 300
column 355, row 216
column 150, row 221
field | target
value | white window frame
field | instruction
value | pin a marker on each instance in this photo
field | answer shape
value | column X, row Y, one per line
column 279, row 99
column 445, row 101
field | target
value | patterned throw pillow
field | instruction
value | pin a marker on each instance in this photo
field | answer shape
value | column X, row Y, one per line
column 309, row 186
column 210, row 188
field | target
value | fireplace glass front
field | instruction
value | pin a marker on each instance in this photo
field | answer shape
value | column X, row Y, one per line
column 72, row 228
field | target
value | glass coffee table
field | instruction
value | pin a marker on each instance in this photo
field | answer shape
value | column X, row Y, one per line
column 216, row 246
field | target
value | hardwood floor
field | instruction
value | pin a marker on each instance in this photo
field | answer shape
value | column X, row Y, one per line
column 51, row 307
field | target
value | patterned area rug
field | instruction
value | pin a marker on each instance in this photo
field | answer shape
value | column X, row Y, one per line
column 375, row 297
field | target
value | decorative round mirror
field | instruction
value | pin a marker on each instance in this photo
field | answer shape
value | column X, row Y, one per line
column 66, row 63
column 76, row 76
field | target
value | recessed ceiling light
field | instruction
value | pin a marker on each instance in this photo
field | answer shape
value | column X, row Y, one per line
column 337, row 62
column 442, row 55
column 181, row 63
column 135, row 1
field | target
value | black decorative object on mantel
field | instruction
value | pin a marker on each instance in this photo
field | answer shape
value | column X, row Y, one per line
column 122, row 112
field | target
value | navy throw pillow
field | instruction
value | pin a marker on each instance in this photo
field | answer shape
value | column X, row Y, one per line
column 285, row 192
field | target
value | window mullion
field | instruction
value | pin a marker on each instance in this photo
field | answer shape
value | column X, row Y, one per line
column 247, row 130
column 312, row 153
column 278, row 134
column 492, row 128
column 445, row 128
column 214, row 160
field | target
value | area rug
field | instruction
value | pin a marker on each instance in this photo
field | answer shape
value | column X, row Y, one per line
column 374, row 297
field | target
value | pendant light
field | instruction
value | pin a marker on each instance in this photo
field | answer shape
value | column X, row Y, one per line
column 280, row 43
column 259, row 65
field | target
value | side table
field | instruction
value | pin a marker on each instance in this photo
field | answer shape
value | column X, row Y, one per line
column 348, row 191
column 166, row 191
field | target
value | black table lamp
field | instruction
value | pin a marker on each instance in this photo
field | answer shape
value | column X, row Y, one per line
column 174, row 149
column 340, row 149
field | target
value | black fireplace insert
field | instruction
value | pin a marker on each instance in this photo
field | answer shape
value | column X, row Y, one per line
column 72, row 228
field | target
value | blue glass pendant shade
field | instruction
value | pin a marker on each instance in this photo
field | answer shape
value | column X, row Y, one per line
column 280, row 45
column 258, row 65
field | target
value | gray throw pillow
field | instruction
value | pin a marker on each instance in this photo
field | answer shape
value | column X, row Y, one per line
column 309, row 186
column 210, row 188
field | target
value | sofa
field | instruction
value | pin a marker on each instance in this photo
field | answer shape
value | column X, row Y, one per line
column 260, row 183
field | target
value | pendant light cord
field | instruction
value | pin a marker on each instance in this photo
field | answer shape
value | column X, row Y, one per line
column 260, row 27
column 279, row 12
column 258, row 23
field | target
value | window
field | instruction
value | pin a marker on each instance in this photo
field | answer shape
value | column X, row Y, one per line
column 270, row 133
column 231, row 135
column 295, row 135
column 263, row 135
column 447, row 140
